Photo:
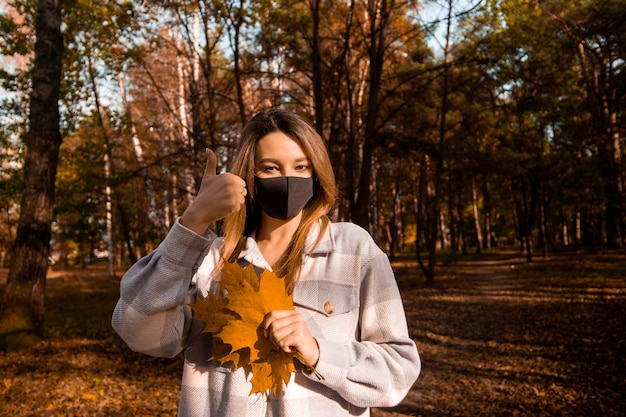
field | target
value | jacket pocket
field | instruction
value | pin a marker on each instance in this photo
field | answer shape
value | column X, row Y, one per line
column 326, row 297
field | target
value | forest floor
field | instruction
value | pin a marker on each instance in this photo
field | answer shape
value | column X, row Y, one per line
column 497, row 336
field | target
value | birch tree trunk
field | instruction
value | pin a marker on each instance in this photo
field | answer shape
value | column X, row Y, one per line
column 184, row 120
column 153, row 213
column 109, row 174
column 110, row 235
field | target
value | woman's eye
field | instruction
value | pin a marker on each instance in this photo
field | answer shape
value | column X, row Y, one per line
column 302, row 167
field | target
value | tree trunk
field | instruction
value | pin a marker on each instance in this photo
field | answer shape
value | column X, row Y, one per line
column 489, row 238
column 396, row 223
column 543, row 222
column 350, row 123
column 21, row 322
column 185, row 129
column 479, row 232
column 237, row 22
column 423, row 222
column 316, row 63
column 153, row 212
column 454, row 243
column 110, row 234
column 526, row 217
column 379, row 18
column 435, row 205
column 461, row 218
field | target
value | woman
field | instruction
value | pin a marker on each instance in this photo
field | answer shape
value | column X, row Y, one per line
column 348, row 320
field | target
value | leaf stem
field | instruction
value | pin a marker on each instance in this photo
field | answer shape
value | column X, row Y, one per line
column 310, row 367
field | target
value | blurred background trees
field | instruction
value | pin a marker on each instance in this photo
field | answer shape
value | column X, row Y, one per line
column 493, row 123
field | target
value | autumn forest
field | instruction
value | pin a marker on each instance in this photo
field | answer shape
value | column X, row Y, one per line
column 465, row 135
column 493, row 124
column 483, row 125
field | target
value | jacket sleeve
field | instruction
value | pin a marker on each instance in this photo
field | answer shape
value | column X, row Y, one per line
column 152, row 315
column 380, row 367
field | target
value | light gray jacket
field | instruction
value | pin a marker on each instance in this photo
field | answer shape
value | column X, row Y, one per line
column 347, row 294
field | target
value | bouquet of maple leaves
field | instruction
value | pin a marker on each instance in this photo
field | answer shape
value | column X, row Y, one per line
column 235, row 319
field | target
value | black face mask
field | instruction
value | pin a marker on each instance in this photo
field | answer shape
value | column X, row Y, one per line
column 283, row 197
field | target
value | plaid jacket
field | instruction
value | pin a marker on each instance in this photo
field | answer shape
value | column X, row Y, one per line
column 347, row 294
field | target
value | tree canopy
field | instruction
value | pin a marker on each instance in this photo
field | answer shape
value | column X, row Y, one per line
column 507, row 132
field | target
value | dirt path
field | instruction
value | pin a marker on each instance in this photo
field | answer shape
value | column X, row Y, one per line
column 500, row 337
column 497, row 337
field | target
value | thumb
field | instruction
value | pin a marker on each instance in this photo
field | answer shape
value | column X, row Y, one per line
column 210, row 169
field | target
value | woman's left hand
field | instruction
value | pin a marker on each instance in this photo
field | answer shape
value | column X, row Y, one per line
column 288, row 331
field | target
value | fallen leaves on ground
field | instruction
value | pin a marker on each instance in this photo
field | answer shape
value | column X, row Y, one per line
column 497, row 337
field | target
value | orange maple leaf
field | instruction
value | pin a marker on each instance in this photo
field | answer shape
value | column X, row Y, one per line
column 272, row 373
column 235, row 321
column 213, row 312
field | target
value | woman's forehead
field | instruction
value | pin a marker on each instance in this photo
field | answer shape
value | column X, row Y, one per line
column 277, row 145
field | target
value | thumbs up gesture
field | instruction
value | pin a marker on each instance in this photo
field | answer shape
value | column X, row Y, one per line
column 219, row 196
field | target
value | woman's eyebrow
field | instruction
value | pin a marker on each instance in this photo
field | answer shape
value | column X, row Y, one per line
column 276, row 161
column 268, row 160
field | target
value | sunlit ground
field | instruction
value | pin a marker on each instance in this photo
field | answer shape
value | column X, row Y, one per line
column 497, row 336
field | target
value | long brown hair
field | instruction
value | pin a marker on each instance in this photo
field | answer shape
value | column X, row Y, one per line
column 244, row 222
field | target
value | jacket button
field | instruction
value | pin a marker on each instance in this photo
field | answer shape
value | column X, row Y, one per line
column 329, row 307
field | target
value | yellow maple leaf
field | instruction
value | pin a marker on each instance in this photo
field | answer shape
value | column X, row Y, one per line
column 212, row 312
column 235, row 320
column 261, row 378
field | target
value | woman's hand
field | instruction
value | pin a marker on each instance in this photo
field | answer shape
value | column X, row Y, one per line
column 288, row 331
column 219, row 196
